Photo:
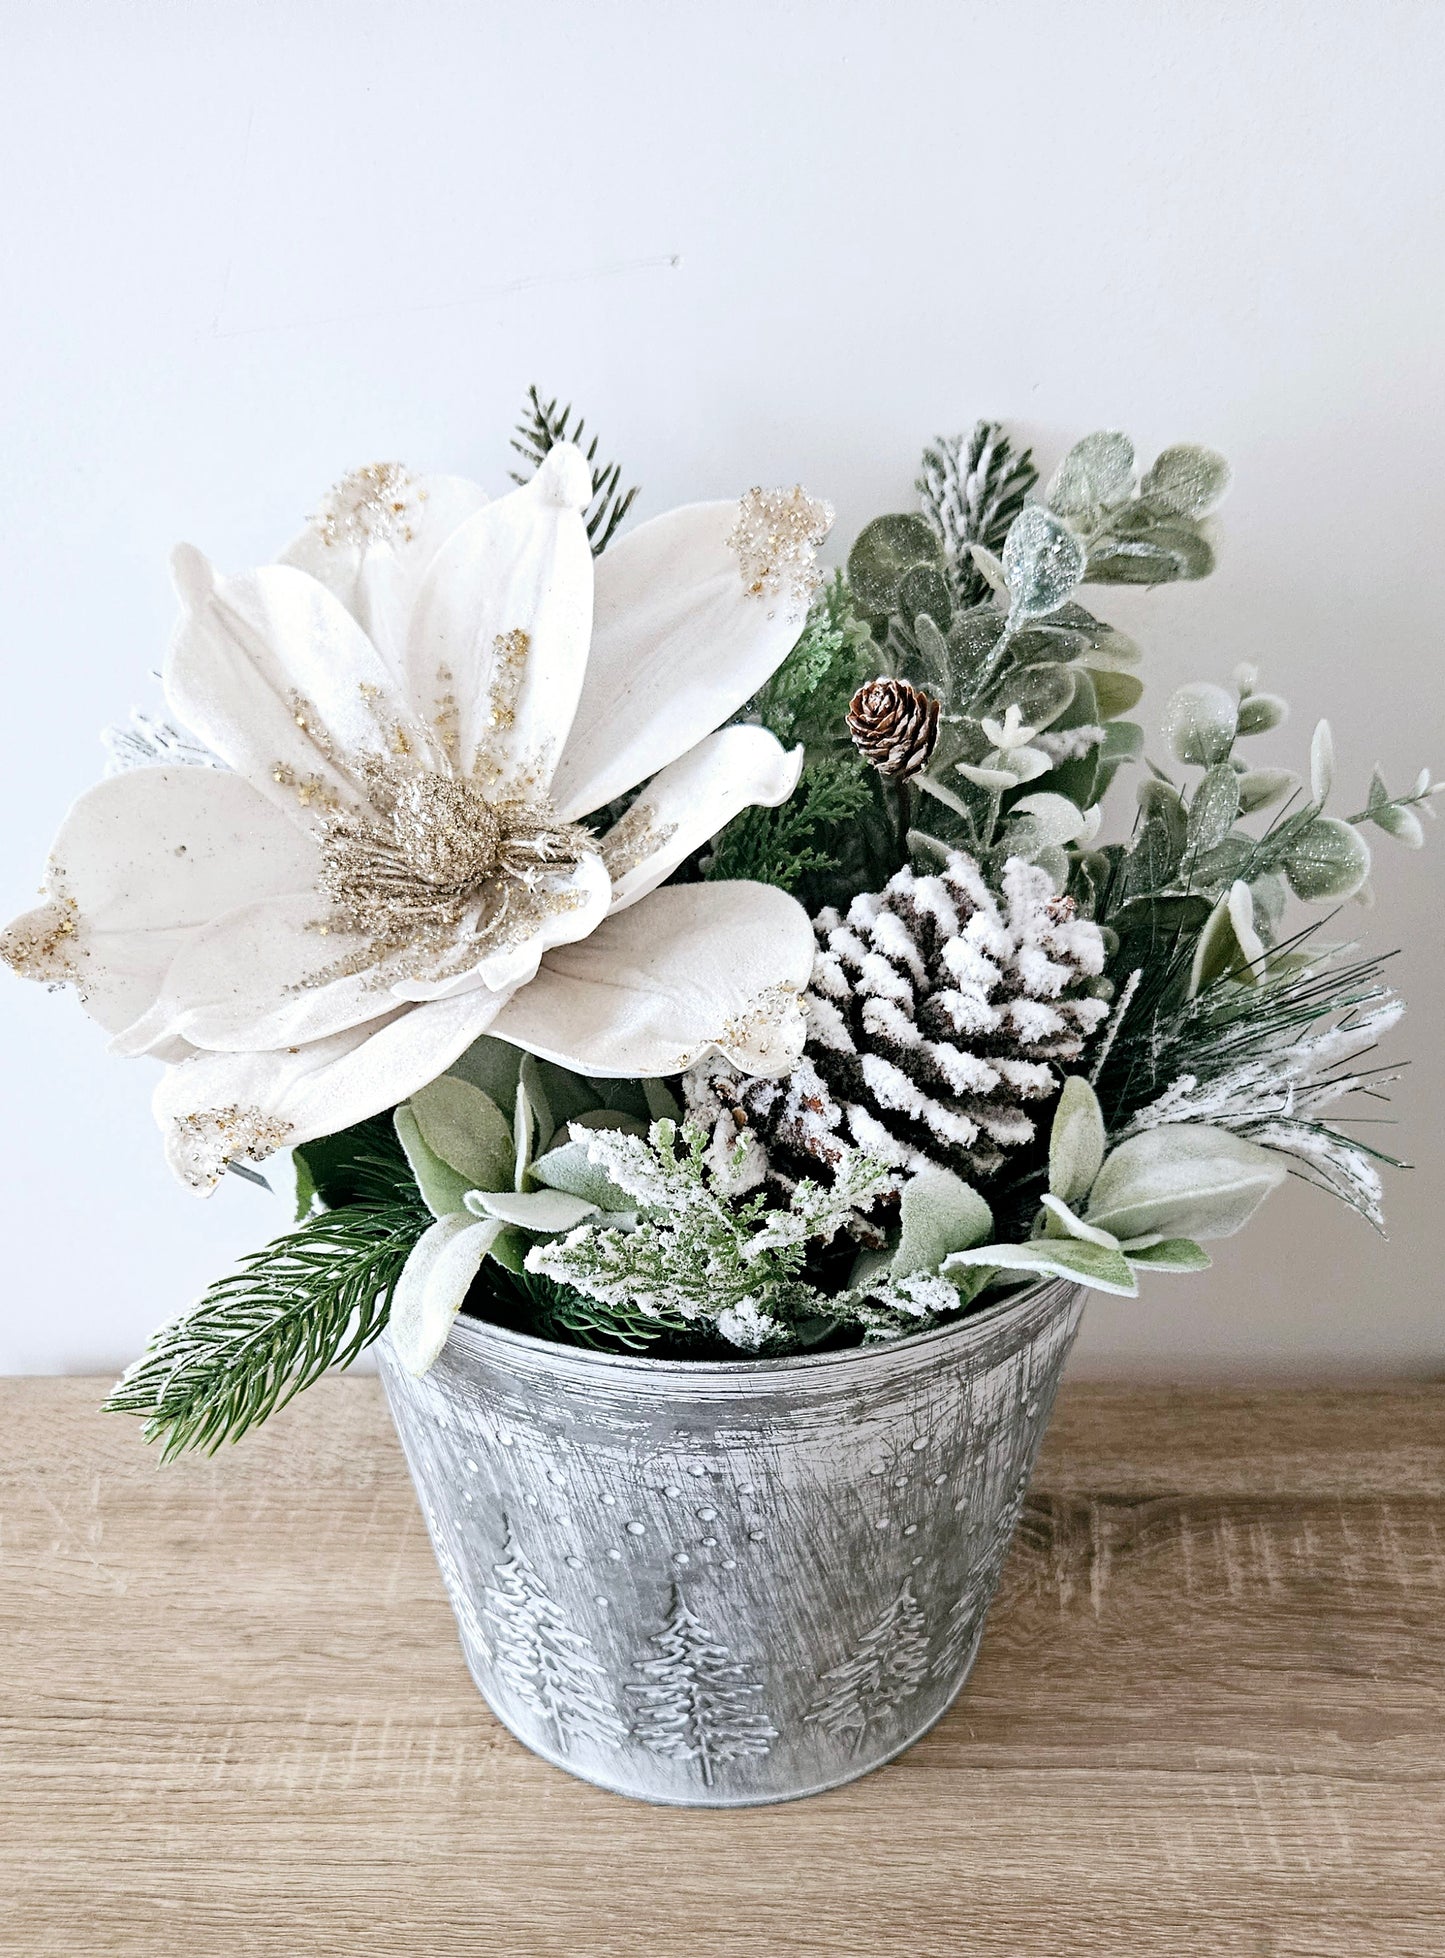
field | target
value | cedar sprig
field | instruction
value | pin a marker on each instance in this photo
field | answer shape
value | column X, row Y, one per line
column 542, row 427
column 313, row 1298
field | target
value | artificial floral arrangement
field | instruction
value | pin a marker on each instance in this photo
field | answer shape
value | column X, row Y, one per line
column 642, row 939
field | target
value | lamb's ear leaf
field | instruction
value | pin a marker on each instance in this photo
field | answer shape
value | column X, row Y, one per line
column 568, row 1167
column 465, row 1127
column 1183, row 1179
column 1076, row 1141
column 433, row 1285
column 938, row 1213
column 442, row 1187
column 532, row 1123
column 542, row 1212
column 1095, row 1265
column 1172, row 1254
column 492, row 1066
column 662, row 1104
column 1061, row 1221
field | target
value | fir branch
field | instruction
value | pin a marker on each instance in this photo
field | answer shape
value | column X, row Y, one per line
column 782, row 846
column 311, row 1299
column 542, row 427
column 807, row 698
column 971, row 495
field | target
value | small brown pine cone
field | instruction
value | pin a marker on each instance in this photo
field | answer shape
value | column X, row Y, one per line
column 894, row 725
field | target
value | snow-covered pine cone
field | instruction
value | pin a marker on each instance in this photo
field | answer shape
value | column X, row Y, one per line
column 894, row 725
column 936, row 1013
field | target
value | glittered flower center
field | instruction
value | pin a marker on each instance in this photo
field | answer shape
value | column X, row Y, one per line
column 439, row 870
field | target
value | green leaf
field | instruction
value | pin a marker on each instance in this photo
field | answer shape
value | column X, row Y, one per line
column 569, row 1168
column 939, row 1213
column 464, row 1126
column 1259, row 787
column 1076, row 1141
column 1041, row 694
column 542, row 1212
column 1322, row 763
column 492, row 1066
column 1117, row 692
column 1061, row 1221
column 1329, row 861
column 443, row 1188
column 1043, row 561
column 1172, row 1254
column 1199, row 724
column 1403, row 824
column 923, row 591
column 1164, row 554
column 883, row 551
column 1094, row 1265
column 1095, row 476
column 1213, row 809
column 1259, row 712
column 1183, row 1179
column 1187, row 480
column 1056, row 819
column 1229, row 945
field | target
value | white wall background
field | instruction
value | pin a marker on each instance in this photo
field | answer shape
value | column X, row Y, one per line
column 246, row 247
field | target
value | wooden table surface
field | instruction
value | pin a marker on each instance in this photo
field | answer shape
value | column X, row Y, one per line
column 234, row 1718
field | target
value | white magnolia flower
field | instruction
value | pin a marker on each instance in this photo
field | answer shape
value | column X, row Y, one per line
column 416, row 710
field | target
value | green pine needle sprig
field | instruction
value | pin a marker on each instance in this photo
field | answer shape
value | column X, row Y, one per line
column 542, row 427
column 311, row 1299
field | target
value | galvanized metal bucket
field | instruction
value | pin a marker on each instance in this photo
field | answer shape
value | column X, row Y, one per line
column 723, row 1583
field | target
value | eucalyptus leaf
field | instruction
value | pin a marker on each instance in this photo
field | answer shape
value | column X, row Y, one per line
column 1043, row 561
column 1199, row 723
column 1182, row 1179
column 990, row 566
column 1117, row 692
column 1322, row 763
column 938, row 1214
column 1329, row 861
column 1403, row 824
column 1076, row 1141
column 922, row 591
column 1186, row 480
column 1229, row 945
column 1041, row 694
column 1056, row 819
column 1213, row 809
column 1259, row 712
column 883, row 551
column 1260, row 787
column 1164, row 554
column 1095, row 476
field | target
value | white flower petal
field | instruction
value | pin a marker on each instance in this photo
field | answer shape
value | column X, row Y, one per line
column 275, row 676
column 142, row 862
column 244, row 1106
column 254, row 980
column 692, row 968
column 678, row 644
column 372, row 539
column 434, row 1284
column 498, row 638
column 691, row 800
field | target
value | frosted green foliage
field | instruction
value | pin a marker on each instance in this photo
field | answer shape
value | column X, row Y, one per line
column 700, row 1253
column 1139, row 531
column 806, row 699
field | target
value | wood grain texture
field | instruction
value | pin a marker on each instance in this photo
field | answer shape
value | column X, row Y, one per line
column 1207, row 1715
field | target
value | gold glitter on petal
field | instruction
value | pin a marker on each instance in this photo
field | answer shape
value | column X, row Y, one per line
column 380, row 504
column 775, row 537
column 43, row 944
column 633, row 838
column 209, row 1138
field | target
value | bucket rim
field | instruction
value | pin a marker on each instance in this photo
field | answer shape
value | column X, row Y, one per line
column 476, row 1339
